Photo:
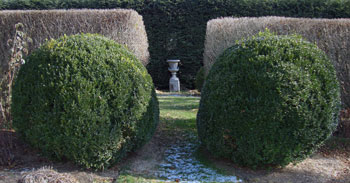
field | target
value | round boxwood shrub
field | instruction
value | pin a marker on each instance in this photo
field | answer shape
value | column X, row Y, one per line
column 200, row 78
column 86, row 99
column 268, row 101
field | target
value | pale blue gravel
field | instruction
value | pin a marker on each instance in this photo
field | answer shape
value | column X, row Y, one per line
column 182, row 165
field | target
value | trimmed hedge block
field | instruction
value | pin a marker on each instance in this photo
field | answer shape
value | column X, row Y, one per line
column 126, row 27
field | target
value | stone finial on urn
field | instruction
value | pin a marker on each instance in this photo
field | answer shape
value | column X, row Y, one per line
column 174, row 83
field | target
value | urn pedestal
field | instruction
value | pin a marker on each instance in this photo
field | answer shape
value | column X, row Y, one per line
column 174, row 83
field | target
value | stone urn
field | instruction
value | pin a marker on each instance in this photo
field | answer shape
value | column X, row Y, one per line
column 174, row 83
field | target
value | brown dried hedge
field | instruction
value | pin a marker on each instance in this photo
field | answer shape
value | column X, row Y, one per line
column 123, row 26
column 331, row 35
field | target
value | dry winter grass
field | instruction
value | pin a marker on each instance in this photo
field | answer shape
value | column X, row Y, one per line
column 47, row 175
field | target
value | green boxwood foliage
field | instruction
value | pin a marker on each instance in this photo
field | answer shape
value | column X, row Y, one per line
column 268, row 101
column 84, row 98
column 2, row 5
column 176, row 28
column 200, row 78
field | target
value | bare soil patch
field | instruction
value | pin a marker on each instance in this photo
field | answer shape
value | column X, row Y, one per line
column 24, row 159
column 146, row 160
column 316, row 169
column 329, row 165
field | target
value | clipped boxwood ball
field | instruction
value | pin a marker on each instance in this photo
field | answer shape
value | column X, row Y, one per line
column 268, row 101
column 86, row 99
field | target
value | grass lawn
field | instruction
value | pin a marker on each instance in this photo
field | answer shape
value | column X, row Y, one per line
column 179, row 113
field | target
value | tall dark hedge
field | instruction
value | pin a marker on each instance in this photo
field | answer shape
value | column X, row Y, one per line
column 84, row 98
column 268, row 101
column 2, row 5
column 176, row 28
column 200, row 79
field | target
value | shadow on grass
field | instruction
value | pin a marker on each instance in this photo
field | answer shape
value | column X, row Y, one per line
column 178, row 103
column 179, row 113
column 126, row 178
column 180, row 124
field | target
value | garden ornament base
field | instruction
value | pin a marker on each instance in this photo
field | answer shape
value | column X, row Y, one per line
column 174, row 83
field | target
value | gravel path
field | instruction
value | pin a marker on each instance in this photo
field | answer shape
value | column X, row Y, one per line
column 181, row 164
